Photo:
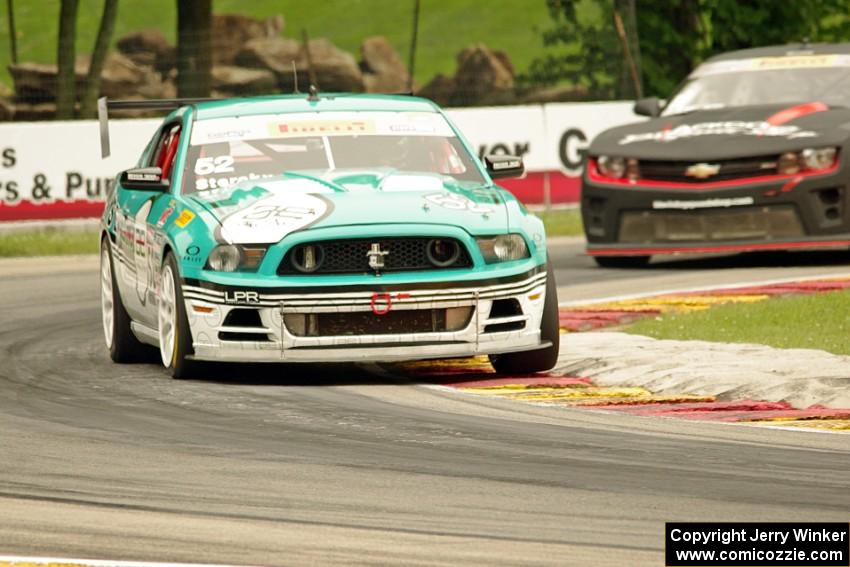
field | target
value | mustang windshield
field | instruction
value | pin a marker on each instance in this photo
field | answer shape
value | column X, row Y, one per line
column 765, row 80
column 227, row 151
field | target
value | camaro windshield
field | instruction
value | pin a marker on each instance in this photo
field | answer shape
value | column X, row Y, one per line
column 228, row 151
column 765, row 80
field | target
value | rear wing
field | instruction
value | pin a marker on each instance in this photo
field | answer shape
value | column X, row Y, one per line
column 104, row 105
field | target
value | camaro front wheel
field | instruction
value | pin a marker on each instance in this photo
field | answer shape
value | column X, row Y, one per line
column 542, row 359
column 175, row 338
column 122, row 343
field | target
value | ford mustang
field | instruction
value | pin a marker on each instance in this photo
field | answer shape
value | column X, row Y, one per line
column 748, row 154
column 321, row 228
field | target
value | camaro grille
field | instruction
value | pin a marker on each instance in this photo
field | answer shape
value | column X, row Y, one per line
column 701, row 172
column 352, row 256
column 745, row 223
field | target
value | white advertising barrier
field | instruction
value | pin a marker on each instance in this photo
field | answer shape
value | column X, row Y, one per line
column 53, row 170
column 549, row 137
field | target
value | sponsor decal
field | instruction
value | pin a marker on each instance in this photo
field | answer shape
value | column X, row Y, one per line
column 271, row 218
column 143, row 177
column 801, row 61
column 382, row 303
column 727, row 128
column 704, row 204
column 193, row 254
column 186, row 216
column 241, row 297
column 163, row 218
column 456, row 202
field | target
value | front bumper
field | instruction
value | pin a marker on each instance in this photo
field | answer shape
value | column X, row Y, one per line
column 267, row 336
column 805, row 212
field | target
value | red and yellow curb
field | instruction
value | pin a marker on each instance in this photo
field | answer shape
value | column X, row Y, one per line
column 475, row 375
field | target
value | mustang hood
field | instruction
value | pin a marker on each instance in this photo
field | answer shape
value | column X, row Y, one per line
column 728, row 133
column 266, row 211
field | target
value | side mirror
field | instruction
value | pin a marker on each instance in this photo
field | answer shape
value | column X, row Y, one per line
column 501, row 166
column 144, row 179
column 650, row 106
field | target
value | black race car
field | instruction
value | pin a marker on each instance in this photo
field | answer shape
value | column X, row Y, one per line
column 748, row 154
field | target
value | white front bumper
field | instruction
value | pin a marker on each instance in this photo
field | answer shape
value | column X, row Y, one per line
column 275, row 342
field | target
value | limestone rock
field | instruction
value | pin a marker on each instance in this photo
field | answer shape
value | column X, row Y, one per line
column 383, row 69
column 239, row 81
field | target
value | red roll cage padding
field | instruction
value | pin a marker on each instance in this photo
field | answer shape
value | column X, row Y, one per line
column 169, row 153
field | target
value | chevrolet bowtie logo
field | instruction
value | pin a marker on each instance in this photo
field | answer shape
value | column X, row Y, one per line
column 702, row 170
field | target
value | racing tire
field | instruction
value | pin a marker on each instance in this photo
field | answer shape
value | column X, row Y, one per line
column 621, row 261
column 123, row 345
column 542, row 359
column 175, row 337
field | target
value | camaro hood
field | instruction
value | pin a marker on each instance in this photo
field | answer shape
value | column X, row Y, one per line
column 268, row 210
column 728, row 133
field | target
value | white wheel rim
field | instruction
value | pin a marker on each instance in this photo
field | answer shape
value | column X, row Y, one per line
column 107, row 301
column 167, row 317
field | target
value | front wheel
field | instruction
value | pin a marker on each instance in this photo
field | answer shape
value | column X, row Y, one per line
column 175, row 338
column 542, row 359
column 621, row 261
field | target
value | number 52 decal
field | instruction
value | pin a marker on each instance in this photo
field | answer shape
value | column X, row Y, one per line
column 219, row 164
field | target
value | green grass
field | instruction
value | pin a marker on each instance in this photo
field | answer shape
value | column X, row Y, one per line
column 48, row 242
column 819, row 321
column 561, row 222
column 445, row 26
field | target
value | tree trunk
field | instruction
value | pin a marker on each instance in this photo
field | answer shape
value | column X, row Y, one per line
column 194, row 48
column 66, row 88
column 98, row 58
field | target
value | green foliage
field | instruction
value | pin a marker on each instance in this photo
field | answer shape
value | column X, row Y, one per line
column 673, row 37
column 445, row 26
column 587, row 51
column 672, row 40
column 819, row 321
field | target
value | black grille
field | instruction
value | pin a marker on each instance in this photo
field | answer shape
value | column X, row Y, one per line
column 744, row 223
column 350, row 256
column 728, row 169
column 368, row 323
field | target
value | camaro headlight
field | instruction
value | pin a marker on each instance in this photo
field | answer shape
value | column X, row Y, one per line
column 810, row 159
column 232, row 257
column 821, row 158
column 618, row 167
column 503, row 248
column 612, row 166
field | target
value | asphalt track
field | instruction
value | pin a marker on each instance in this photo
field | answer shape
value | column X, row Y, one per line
column 359, row 465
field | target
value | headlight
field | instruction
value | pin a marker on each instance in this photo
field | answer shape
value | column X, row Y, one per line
column 503, row 248
column 810, row 159
column 225, row 258
column 612, row 166
column 788, row 164
column 821, row 158
column 232, row 257
column 618, row 168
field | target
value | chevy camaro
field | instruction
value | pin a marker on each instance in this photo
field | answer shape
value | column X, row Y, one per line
column 324, row 228
column 748, row 154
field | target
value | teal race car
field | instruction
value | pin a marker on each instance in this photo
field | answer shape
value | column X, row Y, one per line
column 321, row 228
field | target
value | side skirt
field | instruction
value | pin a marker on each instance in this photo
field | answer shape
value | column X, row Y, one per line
column 145, row 334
